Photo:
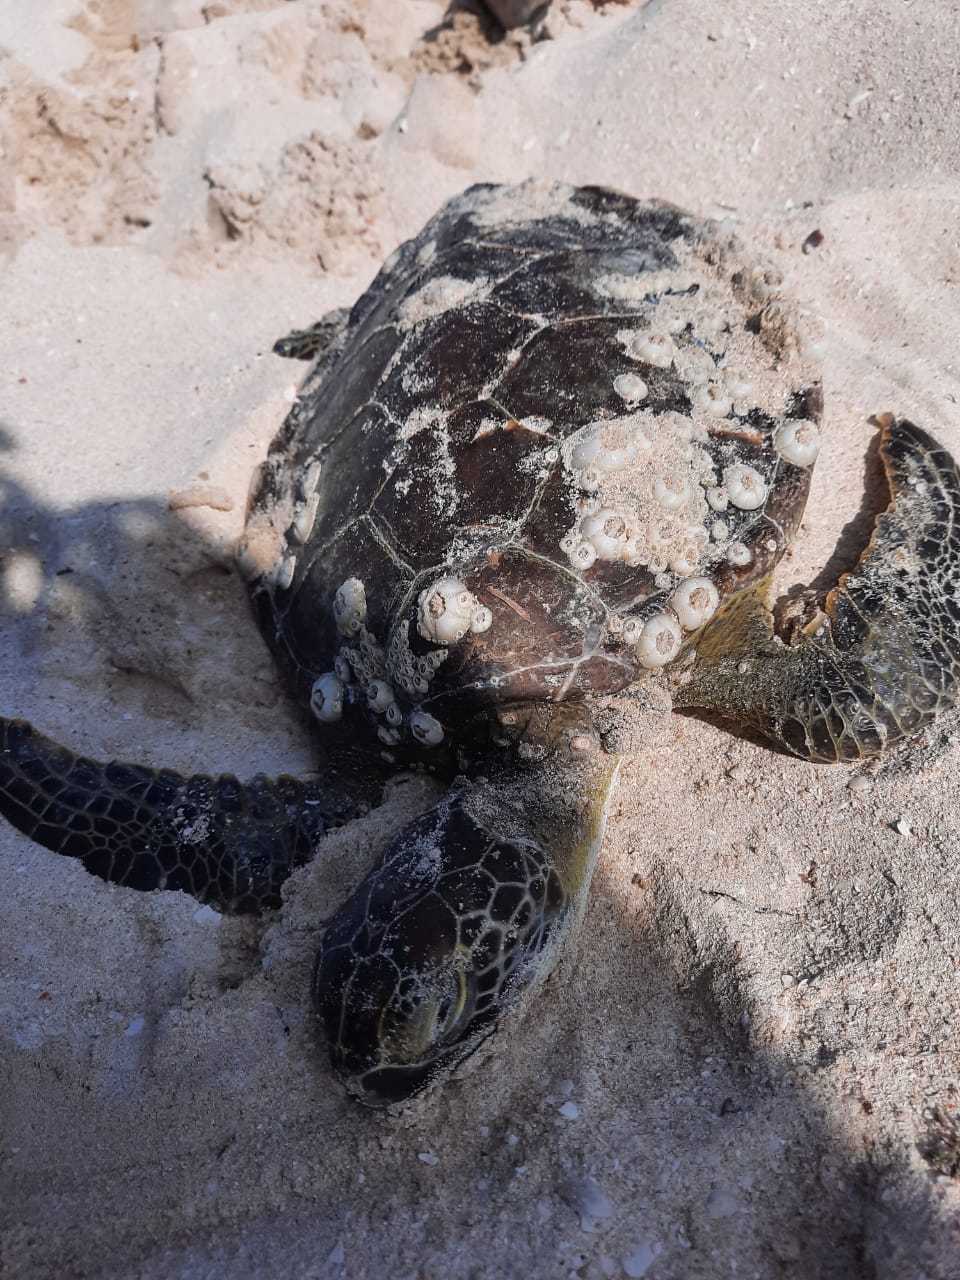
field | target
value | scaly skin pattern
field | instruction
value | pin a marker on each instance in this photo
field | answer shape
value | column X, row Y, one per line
column 469, row 908
column 882, row 657
column 226, row 842
column 425, row 955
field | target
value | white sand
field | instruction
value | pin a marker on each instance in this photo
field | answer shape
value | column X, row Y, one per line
column 762, row 1016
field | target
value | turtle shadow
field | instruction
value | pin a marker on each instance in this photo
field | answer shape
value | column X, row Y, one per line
column 124, row 594
column 854, row 538
column 693, row 1089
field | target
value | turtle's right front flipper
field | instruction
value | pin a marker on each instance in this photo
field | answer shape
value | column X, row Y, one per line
column 226, row 842
column 881, row 656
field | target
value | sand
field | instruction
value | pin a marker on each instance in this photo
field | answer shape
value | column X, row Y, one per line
column 750, row 1065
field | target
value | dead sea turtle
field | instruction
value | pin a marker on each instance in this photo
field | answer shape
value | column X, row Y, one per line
column 558, row 445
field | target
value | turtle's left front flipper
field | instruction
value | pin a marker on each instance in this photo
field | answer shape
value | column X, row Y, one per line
column 226, row 842
column 881, row 657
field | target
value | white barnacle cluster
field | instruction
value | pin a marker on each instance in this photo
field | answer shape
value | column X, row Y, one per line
column 638, row 493
column 412, row 672
column 787, row 329
column 447, row 610
column 657, row 639
column 366, row 672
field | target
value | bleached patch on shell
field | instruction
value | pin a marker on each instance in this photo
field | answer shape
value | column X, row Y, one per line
column 798, row 442
column 326, row 698
column 439, row 295
column 350, row 607
column 447, row 610
column 636, row 286
column 490, row 210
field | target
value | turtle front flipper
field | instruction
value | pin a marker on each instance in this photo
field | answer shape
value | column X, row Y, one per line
column 881, row 656
column 226, row 842
column 468, row 908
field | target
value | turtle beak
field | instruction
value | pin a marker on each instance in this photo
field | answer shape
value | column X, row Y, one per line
column 386, row 1086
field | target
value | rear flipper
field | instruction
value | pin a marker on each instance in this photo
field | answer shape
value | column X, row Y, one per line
column 319, row 339
column 225, row 842
column 881, row 657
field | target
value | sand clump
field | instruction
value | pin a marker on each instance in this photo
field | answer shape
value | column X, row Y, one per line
column 749, row 1064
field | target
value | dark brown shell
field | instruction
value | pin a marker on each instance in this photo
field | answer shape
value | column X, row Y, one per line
column 446, row 425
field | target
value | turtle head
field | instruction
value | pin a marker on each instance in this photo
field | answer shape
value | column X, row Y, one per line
column 445, row 934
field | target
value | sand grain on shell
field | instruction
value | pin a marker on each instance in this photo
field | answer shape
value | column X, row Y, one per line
column 180, row 184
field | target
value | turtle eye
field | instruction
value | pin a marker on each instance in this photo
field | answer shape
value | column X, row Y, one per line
column 449, row 1009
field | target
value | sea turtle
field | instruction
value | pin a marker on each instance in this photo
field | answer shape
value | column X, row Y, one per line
column 557, row 446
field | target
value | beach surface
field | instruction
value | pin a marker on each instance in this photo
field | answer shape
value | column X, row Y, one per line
column 749, row 1067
